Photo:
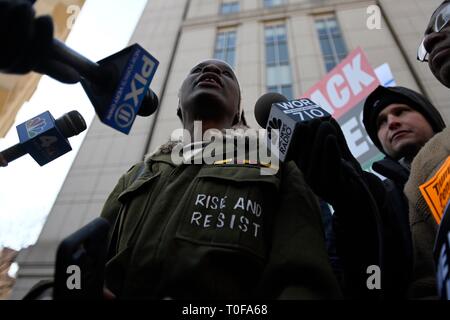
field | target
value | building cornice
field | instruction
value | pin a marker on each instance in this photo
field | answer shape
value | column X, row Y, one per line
column 272, row 14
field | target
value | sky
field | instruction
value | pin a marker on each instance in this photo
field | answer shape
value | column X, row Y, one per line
column 28, row 191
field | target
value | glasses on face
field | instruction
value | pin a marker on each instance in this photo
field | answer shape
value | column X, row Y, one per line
column 441, row 20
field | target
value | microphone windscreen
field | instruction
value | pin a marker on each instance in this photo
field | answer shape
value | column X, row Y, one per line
column 264, row 104
column 71, row 124
column 149, row 105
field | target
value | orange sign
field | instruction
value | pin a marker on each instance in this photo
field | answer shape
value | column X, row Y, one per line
column 436, row 191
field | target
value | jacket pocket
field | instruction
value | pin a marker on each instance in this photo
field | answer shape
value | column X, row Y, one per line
column 230, row 206
column 116, row 270
column 135, row 201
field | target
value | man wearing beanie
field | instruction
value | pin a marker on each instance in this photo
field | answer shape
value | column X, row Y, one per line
column 384, row 102
column 400, row 122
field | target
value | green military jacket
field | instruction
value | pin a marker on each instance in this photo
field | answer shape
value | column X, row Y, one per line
column 215, row 231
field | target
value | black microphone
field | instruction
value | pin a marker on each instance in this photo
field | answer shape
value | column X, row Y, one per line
column 128, row 70
column 149, row 105
column 117, row 86
column 86, row 249
column 274, row 111
column 264, row 104
column 44, row 138
column 103, row 77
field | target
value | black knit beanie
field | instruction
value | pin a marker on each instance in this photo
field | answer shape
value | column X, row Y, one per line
column 382, row 97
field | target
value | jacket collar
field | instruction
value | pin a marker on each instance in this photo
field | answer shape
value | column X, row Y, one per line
column 392, row 169
column 163, row 152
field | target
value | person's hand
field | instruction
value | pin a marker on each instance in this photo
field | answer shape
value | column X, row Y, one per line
column 26, row 40
column 336, row 176
column 325, row 159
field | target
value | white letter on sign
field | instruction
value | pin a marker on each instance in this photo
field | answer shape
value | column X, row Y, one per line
column 338, row 100
column 353, row 134
column 318, row 98
column 355, row 75
column 148, row 66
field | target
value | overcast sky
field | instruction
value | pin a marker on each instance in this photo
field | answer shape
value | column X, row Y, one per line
column 28, row 191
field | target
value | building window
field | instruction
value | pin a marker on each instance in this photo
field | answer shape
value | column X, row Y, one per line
column 273, row 3
column 226, row 47
column 331, row 42
column 278, row 69
column 229, row 7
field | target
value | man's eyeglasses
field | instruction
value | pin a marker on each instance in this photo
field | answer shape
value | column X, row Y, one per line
column 440, row 22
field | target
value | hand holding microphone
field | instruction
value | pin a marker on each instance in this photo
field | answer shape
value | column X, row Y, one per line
column 326, row 161
column 309, row 136
column 117, row 86
column 315, row 142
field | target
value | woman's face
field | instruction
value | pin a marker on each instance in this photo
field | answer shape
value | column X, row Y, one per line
column 210, row 91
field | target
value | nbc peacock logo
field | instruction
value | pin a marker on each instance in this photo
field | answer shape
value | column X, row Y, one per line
column 274, row 124
column 35, row 126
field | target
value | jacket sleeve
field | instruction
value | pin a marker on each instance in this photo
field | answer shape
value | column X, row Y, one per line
column 362, row 228
column 112, row 205
column 298, row 266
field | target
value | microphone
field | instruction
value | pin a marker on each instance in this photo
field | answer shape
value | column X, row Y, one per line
column 44, row 138
column 117, row 86
column 86, row 248
column 323, row 174
column 274, row 111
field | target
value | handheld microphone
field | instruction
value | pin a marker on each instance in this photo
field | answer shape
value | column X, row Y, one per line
column 274, row 111
column 44, row 138
column 117, row 86
column 86, row 248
